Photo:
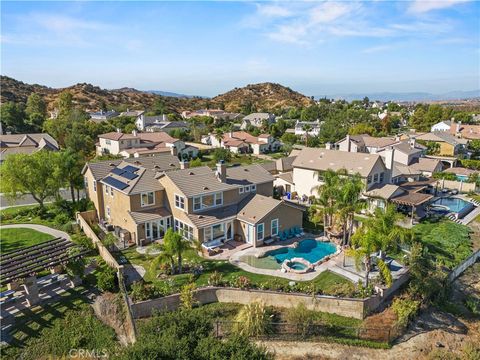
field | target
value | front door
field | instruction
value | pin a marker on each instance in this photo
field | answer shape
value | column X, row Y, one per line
column 250, row 234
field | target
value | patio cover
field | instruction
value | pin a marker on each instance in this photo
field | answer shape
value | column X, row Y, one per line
column 412, row 199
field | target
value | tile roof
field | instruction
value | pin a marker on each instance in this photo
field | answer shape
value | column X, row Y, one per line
column 386, row 191
column 323, row 159
column 249, row 174
column 15, row 140
column 197, row 181
column 461, row 171
column 115, row 135
column 149, row 215
column 257, row 208
column 426, row 164
column 442, row 136
column 288, row 177
column 213, row 216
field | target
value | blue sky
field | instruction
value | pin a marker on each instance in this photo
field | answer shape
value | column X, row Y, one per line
column 205, row 48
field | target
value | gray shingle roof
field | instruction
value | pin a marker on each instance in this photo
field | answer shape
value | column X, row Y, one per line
column 250, row 174
column 149, row 215
column 257, row 208
column 213, row 216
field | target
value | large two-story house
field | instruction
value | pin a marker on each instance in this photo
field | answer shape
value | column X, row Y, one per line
column 141, row 200
column 139, row 144
column 241, row 142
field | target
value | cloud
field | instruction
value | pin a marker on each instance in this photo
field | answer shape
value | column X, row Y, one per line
column 62, row 23
column 422, row 6
column 273, row 10
column 376, row 49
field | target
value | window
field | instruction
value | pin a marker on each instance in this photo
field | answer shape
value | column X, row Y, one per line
column 208, row 201
column 85, row 182
column 218, row 198
column 274, row 227
column 108, row 142
column 148, row 230
column 94, row 186
column 220, row 231
column 369, row 179
column 197, row 203
column 260, row 231
column 108, row 212
column 382, row 177
column 184, row 229
column 106, row 189
column 147, row 198
column 247, row 188
column 375, row 178
column 179, row 202
column 240, row 190
column 253, row 188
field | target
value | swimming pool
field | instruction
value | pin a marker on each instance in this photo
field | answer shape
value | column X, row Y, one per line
column 455, row 205
column 309, row 249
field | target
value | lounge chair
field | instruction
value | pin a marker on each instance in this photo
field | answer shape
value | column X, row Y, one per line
column 268, row 241
column 283, row 236
column 290, row 233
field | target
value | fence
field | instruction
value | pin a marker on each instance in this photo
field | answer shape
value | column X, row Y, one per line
column 461, row 186
column 472, row 259
column 130, row 322
column 314, row 331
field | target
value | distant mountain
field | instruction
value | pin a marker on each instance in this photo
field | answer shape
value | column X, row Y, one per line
column 171, row 94
column 261, row 97
column 258, row 97
column 408, row 96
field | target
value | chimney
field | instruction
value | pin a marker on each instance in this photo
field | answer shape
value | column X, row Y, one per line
column 118, row 130
column 222, row 171
column 397, row 138
column 328, row 146
column 348, row 143
column 389, row 158
column 134, row 133
column 184, row 164
column 230, row 134
column 457, row 130
column 173, row 151
column 413, row 141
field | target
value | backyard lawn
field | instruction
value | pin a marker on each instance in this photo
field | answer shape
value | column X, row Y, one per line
column 13, row 239
column 326, row 282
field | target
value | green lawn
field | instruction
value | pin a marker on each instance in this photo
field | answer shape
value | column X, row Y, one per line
column 13, row 239
column 448, row 243
column 326, row 282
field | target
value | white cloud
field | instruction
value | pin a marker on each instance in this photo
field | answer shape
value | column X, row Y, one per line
column 424, row 6
column 273, row 10
column 376, row 49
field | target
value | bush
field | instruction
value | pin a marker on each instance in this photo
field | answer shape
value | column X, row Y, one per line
column 301, row 317
column 253, row 320
column 187, row 296
column 107, row 279
column 405, row 309
column 83, row 240
column 141, row 291
column 62, row 219
column 215, row 279
column 385, row 273
column 342, row 290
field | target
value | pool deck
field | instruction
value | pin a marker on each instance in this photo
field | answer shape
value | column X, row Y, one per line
column 331, row 265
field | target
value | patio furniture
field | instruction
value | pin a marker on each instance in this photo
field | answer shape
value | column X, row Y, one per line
column 283, row 236
column 210, row 245
column 268, row 241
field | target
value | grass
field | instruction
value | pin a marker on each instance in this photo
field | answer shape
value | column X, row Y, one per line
column 326, row 282
column 448, row 243
column 13, row 239
column 54, row 328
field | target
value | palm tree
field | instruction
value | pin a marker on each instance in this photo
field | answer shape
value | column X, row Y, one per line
column 364, row 243
column 349, row 202
column 307, row 128
column 163, row 258
column 327, row 194
column 219, row 135
column 175, row 244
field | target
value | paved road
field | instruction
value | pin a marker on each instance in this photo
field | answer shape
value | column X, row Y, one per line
column 45, row 229
column 29, row 200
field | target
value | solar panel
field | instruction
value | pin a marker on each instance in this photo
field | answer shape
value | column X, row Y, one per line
column 130, row 168
column 128, row 175
column 115, row 183
column 118, row 171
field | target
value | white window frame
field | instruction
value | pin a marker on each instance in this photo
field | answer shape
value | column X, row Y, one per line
column 240, row 190
column 218, row 195
column 147, row 193
column 271, row 227
column 253, row 188
column 382, row 177
column 197, row 200
column 184, row 229
column 95, row 185
column 262, row 232
column 369, row 179
column 247, row 188
column 180, row 200
column 375, row 178
column 106, row 189
column 108, row 142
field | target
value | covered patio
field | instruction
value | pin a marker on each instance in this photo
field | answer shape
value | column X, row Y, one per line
column 413, row 201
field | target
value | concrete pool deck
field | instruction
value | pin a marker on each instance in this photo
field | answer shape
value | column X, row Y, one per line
column 330, row 265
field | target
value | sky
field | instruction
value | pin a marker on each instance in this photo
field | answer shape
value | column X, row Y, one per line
column 207, row 48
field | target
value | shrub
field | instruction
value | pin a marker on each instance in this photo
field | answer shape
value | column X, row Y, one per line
column 83, row 240
column 405, row 309
column 187, row 296
column 107, row 279
column 473, row 304
column 61, row 219
column 242, row 282
column 141, row 291
column 342, row 290
column 385, row 273
column 300, row 316
column 215, row 279
column 253, row 320
column 364, row 291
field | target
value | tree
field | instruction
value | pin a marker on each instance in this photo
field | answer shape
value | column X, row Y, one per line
column 36, row 112
column 36, row 174
column 351, row 188
column 306, row 128
column 64, row 104
column 361, row 128
column 70, row 168
column 12, row 116
column 327, row 194
column 220, row 154
column 176, row 245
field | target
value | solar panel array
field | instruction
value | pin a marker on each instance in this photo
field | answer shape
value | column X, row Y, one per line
column 129, row 175
column 115, row 183
column 118, row 171
column 130, row 168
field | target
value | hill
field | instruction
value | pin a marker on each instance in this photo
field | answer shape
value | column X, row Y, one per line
column 258, row 97
column 261, row 97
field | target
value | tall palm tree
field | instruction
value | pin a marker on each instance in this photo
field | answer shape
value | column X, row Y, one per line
column 349, row 199
column 163, row 258
column 175, row 244
column 327, row 194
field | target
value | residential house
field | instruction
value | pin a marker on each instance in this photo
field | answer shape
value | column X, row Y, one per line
column 469, row 132
column 25, row 144
column 364, row 143
column 132, row 113
column 143, row 144
column 312, row 128
column 142, row 121
column 311, row 162
column 257, row 120
column 449, row 145
column 216, row 114
column 99, row 116
column 241, row 142
column 444, row 125
column 158, row 123
column 141, row 201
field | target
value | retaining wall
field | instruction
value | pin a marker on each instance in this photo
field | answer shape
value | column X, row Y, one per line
column 472, row 259
column 461, row 186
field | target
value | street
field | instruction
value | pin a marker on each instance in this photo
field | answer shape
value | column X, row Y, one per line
column 28, row 199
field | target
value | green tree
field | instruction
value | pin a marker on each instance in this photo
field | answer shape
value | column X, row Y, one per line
column 361, row 128
column 70, row 168
column 175, row 244
column 220, row 154
column 64, row 104
column 36, row 112
column 12, row 116
column 36, row 174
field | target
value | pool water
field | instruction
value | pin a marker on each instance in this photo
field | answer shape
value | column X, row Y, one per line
column 309, row 249
column 453, row 203
column 297, row 266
